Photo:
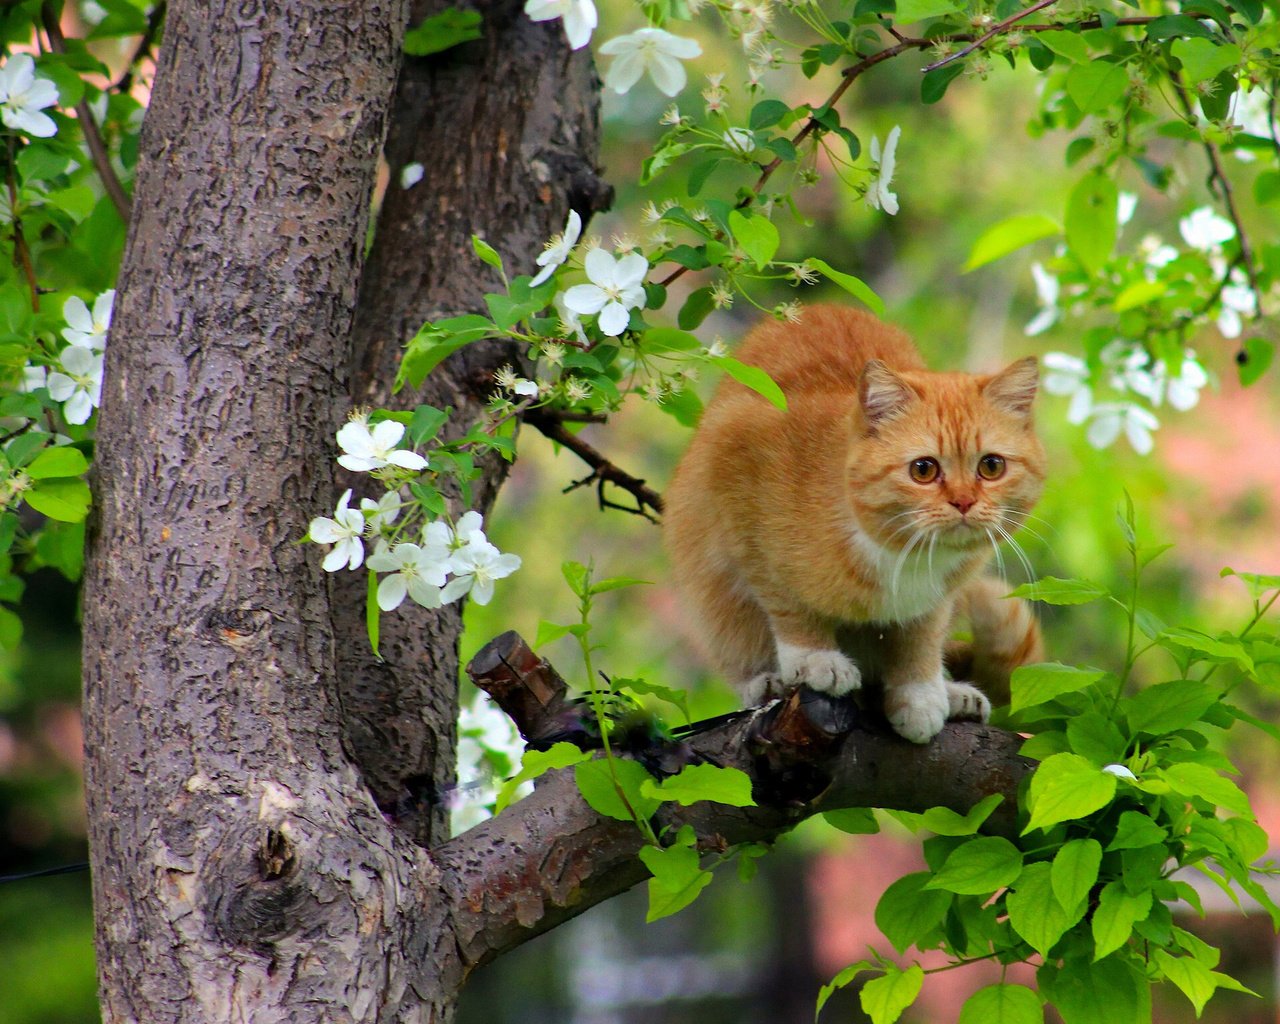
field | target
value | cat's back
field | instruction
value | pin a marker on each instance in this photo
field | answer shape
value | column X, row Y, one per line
column 827, row 350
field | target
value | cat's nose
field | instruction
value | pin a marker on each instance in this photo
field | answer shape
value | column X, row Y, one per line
column 963, row 504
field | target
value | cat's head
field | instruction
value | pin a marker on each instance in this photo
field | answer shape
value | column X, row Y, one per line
column 951, row 456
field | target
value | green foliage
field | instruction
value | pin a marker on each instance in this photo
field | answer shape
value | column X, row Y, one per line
column 442, row 31
column 1132, row 790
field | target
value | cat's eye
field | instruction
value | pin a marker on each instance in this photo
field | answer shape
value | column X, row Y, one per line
column 991, row 467
column 925, row 471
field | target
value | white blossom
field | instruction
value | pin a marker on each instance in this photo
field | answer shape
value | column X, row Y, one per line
column 1069, row 376
column 411, row 174
column 1237, row 300
column 343, row 531
column 1119, row 771
column 1183, row 391
column 558, row 249
column 1047, row 291
column 86, row 329
column 23, row 97
column 507, row 379
column 614, row 289
column 653, row 50
column 381, row 513
column 483, row 730
column 470, row 527
column 365, row 449
column 33, row 377
column 1205, row 230
column 1126, row 204
column 1109, row 418
column 579, row 17
column 418, row 571
column 878, row 194
column 475, row 566
column 79, row 384
column 740, row 142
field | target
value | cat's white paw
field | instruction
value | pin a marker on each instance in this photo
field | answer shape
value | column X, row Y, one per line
column 756, row 689
column 828, row 671
column 918, row 711
column 967, row 702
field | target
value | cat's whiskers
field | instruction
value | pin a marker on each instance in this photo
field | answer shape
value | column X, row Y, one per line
column 1010, row 521
column 1007, row 537
column 995, row 547
column 901, row 561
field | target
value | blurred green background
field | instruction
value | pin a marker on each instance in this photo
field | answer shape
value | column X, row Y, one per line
column 757, row 951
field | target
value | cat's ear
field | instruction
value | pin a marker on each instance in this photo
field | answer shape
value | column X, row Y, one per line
column 884, row 395
column 1013, row 389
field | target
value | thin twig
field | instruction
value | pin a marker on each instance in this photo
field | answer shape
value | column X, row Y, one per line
column 148, row 39
column 996, row 30
column 602, row 470
column 21, row 254
column 92, row 137
column 1218, row 173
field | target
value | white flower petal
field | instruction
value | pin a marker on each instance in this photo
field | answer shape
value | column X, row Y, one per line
column 455, row 588
column 391, row 592
column 482, row 592
column 407, row 460
column 669, row 76
column 614, row 319
column 585, row 299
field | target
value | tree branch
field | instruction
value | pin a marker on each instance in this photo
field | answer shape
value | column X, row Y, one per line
column 602, row 470
column 550, row 857
column 999, row 27
column 92, row 137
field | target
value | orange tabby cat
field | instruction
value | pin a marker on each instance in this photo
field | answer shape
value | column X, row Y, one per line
column 832, row 542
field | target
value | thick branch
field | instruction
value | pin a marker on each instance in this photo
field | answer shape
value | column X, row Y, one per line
column 550, row 857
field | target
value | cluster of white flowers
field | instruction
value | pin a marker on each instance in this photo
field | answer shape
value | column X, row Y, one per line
column 652, row 51
column 77, row 380
column 23, row 97
column 1128, row 369
column 485, row 734
column 419, row 569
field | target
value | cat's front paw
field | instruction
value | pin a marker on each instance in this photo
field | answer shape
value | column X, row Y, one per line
column 967, row 702
column 918, row 711
column 828, row 671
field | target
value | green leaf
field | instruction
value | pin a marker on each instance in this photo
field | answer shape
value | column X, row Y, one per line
column 426, row 423
column 909, row 11
column 1194, row 979
column 854, row 286
column 65, row 499
column 1094, row 736
column 536, row 763
column 668, row 339
column 435, row 342
column 857, row 821
column 756, row 235
column 1203, row 59
column 753, row 377
column 441, row 32
column 909, row 910
column 1198, row 780
column 883, row 999
column 372, row 614
column 10, row 630
column 600, row 788
column 1066, row 44
column 55, row 462
column 1167, row 707
column 767, row 113
column 550, row 632
column 677, row 879
column 1035, row 684
column 1107, row 992
column 934, row 84
column 979, row 867
column 1139, row 293
column 1052, row 590
column 617, row 583
column 1136, row 830
column 1075, row 870
column 1002, row 1004
column 1034, row 910
column 843, row 978
column 577, row 576
column 697, row 307
column 1092, row 220
column 1066, row 787
column 1009, row 235
column 1095, row 86
column 1115, row 917
column 703, row 782
column 944, row 821
column 1257, row 354
column 487, row 253
column 675, row 697
column 1226, row 648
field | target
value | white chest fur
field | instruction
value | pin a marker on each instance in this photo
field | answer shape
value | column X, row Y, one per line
column 911, row 583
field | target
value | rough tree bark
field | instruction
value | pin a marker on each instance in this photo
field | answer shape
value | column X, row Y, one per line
column 261, row 847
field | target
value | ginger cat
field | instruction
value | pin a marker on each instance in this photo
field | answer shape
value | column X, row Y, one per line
column 833, row 542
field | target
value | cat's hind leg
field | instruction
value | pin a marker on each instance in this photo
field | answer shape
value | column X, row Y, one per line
column 733, row 630
column 966, row 702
